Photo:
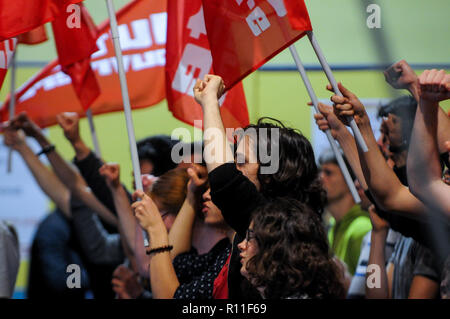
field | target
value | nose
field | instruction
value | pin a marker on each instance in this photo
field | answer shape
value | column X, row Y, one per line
column 207, row 195
column 242, row 245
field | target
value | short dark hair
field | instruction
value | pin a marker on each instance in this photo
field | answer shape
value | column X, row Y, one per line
column 328, row 156
column 405, row 108
column 158, row 150
column 297, row 175
column 293, row 256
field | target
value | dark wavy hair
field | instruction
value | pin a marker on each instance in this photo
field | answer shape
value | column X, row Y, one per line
column 297, row 175
column 293, row 255
column 158, row 150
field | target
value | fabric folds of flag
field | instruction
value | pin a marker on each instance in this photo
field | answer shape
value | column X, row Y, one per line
column 75, row 44
column 189, row 58
column 20, row 16
column 7, row 48
column 245, row 34
column 142, row 31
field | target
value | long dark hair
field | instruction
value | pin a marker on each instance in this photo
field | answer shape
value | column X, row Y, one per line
column 297, row 175
column 293, row 255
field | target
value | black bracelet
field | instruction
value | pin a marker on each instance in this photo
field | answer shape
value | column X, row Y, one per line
column 47, row 149
column 159, row 249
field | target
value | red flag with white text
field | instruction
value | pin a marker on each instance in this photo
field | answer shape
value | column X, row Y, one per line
column 189, row 58
column 142, row 31
column 75, row 43
column 245, row 34
column 20, row 16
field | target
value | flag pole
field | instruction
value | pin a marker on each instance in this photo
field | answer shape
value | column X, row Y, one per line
column 93, row 133
column 12, row 104
column 315, row 102
column 126, row 102
column 358, row 137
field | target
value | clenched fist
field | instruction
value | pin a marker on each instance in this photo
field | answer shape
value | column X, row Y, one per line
column 69, row 123
column 210, row 88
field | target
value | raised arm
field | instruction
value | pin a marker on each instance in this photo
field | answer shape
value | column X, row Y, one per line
column 424, row 168
column 86, row 161
column 163, row 279
column 217, row 148
column 69, row 122
column 325, row 120
column 401, row 76
column 67, row 174
column 45, row 178
column 384, row 185
column 180, row 235
column 111, row 173
column 377, row 260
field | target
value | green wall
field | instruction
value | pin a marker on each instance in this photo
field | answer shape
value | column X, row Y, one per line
column 412, row 30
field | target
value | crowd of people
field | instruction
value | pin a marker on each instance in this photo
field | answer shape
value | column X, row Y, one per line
column 225, row 229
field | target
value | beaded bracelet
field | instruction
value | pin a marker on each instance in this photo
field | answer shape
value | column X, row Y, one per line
column 47, row 149
column 159, row 249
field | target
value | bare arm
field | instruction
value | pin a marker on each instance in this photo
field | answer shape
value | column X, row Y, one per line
column 401, row 76
column 180, row 235
column 111, row 172
column 67, row 175
column 69, row 123
column 423, row 288
column 376, row 257
column 325, row 120
column 163, row 278
column 142, row 260
column 217, row 148
column 424, row 169
column 381, row 180
column 46, row 179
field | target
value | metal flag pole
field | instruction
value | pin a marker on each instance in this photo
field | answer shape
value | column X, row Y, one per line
column 126, row 101
column 315, row 102
column 12, row 104
column 93, row 133
column 358, row 137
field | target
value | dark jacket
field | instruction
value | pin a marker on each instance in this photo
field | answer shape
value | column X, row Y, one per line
column 237, row 197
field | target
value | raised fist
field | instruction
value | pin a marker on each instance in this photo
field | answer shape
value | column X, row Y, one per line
column 400, row 75
column 210, row 88
column 69, row 123
column 111, row 173
column 434, row 85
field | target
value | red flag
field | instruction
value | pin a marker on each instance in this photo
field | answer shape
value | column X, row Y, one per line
column 188, row 58
column 35, row 36
column 245, row 34
column 298, row 15
column 142, row 31
column 7, row 48
column 20, row 16
column 75, row 44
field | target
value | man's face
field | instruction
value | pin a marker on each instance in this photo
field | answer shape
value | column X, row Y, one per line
column 393, row 130
column 146, row 167
column 333, row 182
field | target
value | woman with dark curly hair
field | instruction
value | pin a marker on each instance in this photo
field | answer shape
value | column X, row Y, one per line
column 285, row 253
column 270, row 161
